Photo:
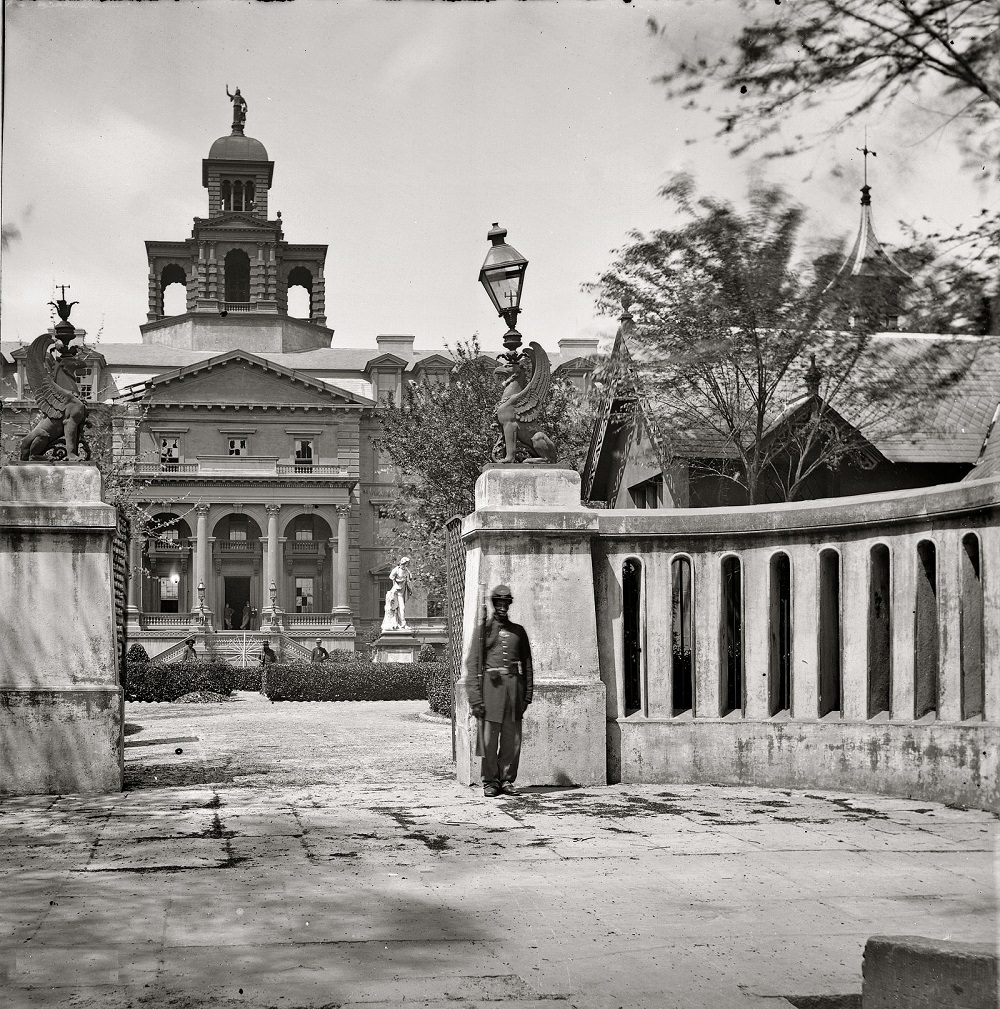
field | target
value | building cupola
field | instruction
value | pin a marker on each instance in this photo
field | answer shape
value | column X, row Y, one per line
column 237, row 172
column 228, row 284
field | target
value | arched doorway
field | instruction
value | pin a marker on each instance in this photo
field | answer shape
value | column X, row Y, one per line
column 238, row 563
column 308, row 566
column 173, row 291
column 237, row 275
column 166, row 587
column 299, row 292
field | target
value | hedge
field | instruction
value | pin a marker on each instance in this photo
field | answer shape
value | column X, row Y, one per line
column 248, row 678
column 440, row 693
column 160, row 681
column 355, row 681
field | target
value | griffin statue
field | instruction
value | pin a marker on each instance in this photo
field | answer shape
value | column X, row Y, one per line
column 520, row 404
column 54, row 386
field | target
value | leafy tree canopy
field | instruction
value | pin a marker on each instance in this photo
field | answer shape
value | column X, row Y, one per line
column 441, row 436
column 743, row 374
column 801, row 56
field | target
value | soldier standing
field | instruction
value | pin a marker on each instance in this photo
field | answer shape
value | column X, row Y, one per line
column 499, row 693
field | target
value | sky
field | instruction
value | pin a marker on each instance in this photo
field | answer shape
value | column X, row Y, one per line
column 399, row 133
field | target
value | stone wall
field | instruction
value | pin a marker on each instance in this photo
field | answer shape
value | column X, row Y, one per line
column 853, row 643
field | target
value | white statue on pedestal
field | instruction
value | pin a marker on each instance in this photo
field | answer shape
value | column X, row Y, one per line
column 395, row 598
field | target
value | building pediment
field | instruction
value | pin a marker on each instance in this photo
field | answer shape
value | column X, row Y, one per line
column 433, row 362
column 238, row 378
column 234, row 222
column 386, row 361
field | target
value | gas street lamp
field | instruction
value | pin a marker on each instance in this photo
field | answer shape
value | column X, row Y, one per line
column 502, row 276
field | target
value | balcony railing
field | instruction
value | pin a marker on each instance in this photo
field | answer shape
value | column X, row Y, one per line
column 240, row 465
column 237, row 546
column 149, row 620
column 303, row 546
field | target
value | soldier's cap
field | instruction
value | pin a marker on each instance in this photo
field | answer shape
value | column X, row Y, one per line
column 189, row 641
column 502, row 592
column 318, row 640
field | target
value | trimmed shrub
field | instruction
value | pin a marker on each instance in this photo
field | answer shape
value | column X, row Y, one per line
column 347, row 656
column 136, row 653
column 355, row 681
column 160, row 681
column 247, row 679
column 440, row 691
column 428, row 653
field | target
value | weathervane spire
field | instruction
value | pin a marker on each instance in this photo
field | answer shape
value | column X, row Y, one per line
column 866, row 198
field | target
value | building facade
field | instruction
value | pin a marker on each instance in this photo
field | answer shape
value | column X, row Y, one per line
column 250, row 432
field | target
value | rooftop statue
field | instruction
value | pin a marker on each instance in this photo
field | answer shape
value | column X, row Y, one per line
column 55, row 390
column 521, row 404
column 239, row 109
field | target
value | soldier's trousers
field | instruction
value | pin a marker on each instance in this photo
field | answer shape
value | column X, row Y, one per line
column 501, row 748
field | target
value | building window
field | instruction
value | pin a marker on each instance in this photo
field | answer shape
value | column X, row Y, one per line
column 303, row 533
column 383, row 586
column 386, row 385
column 303, row 595
column 170, row 453
column 238, row 446
column 647, row 494
column 238, row 529
column 303, row 453
column 171, row 534
column 85, row 380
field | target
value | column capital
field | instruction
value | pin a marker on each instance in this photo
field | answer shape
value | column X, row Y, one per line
column 272, row 509
column 201, row 509
column 343, row 510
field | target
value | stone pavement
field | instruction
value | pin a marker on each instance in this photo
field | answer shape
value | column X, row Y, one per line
column 323, row 855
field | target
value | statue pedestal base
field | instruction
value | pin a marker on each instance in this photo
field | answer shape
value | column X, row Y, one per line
column 397, row 646
column 61, row 710
column 529, row 531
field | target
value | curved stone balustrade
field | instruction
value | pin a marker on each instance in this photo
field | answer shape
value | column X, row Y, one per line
column 853, row 643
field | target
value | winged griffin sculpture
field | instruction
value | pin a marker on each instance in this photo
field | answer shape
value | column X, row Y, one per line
column 520, row 405
column 57, row 395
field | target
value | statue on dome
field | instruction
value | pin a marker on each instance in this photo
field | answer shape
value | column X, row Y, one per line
column 239, row 108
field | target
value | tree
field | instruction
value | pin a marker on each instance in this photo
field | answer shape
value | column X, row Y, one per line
column 945, row 295
column 441, row 436
column 797, row 57
column 742, row 374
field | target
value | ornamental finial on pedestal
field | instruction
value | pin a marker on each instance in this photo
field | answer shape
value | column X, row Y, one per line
column 56, row 436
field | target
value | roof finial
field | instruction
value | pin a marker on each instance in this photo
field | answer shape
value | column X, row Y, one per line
column 866, row 190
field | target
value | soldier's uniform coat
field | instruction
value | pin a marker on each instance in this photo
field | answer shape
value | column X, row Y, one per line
column 504, row 645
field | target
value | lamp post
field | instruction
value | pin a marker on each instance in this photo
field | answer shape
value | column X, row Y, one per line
column 201, row 602
column 502, row 275
column 273, row 593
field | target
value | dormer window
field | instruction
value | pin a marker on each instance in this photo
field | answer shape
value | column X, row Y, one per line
column 85, row 380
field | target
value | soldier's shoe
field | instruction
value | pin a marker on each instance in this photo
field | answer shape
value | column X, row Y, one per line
column 491, row 791
column 507, row 787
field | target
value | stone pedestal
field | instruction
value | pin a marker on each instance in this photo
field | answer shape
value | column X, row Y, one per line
column 529, row 531
column 61, row 711
column 397, row 646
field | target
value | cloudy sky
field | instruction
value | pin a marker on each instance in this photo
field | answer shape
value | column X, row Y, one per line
column 399, row 133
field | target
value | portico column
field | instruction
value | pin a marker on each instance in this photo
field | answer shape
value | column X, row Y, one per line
column 272, row 552
column 201, row 566
column 134, row 582
column 343, row 607
column 201, row 551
